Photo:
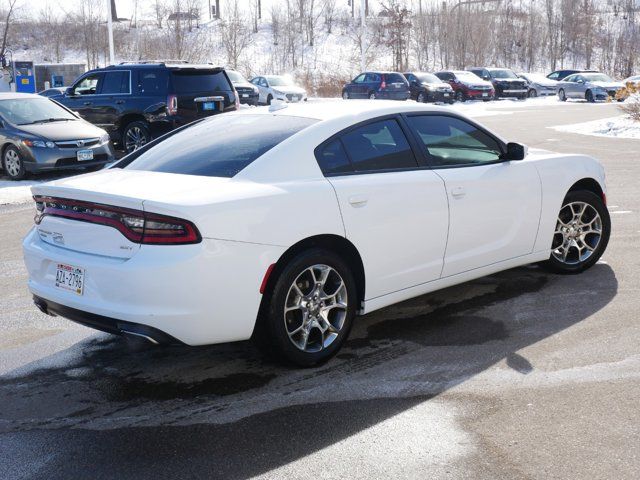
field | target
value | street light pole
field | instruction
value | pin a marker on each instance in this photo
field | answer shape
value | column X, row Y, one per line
column 110, row 32
column 363, row 35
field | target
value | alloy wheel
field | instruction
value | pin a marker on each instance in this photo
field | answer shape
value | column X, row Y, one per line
column 420, row 98
column 345, row 95
column 12, row 163
column 316, row 308
column 578, row 233
column 135, row 138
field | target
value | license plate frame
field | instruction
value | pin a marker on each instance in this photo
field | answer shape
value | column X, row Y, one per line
column 69, row 278
column 84, row 155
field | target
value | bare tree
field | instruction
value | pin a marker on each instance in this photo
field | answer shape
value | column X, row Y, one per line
column 7, row 23
column 235, row 34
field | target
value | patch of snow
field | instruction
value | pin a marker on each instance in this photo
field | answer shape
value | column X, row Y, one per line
column 620, row 127
column 13, row 192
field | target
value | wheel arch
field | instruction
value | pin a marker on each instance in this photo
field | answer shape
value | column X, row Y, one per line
column 333, row 243
column 128, row 118
column 590, row 184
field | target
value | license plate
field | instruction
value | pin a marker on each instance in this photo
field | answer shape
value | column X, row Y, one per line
column 209, row 106
column 245, row 95
column 485, row 94
column 84, row 155
column 70, row 278
column 446, row 94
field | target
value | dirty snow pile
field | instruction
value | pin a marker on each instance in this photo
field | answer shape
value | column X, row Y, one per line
column 621, row 127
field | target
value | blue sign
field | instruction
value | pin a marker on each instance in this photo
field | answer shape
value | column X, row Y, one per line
column 25, row 77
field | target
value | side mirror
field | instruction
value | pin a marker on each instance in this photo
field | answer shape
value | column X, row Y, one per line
column 486, row 77
column 515, row 151
column 70, row 92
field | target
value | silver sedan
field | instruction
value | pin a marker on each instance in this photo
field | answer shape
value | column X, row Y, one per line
column 588, row 86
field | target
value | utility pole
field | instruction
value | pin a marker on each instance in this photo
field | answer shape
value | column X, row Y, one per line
column 363, row 34
column 112, row 55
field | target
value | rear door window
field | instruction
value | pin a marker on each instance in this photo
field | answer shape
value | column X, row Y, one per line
column 378, row 146
column 187, row 81
column 153, row 82
column 195, row 151
column 116, row 82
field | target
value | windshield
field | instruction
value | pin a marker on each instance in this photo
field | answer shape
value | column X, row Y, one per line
column 194, row 151
column 597, row 77
column 235, row 76
column 503, row 73
column 428, row 78
column 468, row 77
column 276, row 81
column 25, row 111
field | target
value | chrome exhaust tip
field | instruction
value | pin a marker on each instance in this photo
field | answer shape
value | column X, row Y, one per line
column 141, row 335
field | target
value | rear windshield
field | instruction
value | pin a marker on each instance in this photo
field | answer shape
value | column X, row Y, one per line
column 220, row 146
column 196, row 81
column 395, row 78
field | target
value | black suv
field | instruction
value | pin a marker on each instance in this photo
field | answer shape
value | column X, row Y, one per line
column 505, row 82
column 136, row 102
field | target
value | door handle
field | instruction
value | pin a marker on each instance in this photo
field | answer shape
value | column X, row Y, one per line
column 119, row 102
column 87, row 103
column 458, row 192
column 358, row 201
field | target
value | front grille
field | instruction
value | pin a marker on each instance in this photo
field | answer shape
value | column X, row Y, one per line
column 292, row 97
column 87, row 142
column 245, row 90
column 67, row 162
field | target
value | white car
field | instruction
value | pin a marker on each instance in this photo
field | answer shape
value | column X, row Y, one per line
column 299, row 218
column 635, row 79
column 278, row 87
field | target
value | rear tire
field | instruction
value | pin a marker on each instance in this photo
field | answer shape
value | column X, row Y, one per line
column 269, row 99
column 135, row 135
column 13, row 163
column 314, row 291
column 562, row 96
column 581, row 234
column 372, row 95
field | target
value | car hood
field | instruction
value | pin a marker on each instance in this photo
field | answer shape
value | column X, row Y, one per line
column 244, row 85
column 477, row 83
column 606, row 84
column 439, row 85
column 72, row 130
column 294, row 90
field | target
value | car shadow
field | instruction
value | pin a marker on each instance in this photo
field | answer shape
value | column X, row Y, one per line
column 128, row 410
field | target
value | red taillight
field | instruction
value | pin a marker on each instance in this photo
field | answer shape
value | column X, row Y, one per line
column 237, row 99
column 383, row 85
column 172, row 105
column 136, row 225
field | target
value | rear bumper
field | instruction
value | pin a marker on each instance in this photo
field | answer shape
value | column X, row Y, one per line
column 104, row 324
column 197, row 294
column 390, row 95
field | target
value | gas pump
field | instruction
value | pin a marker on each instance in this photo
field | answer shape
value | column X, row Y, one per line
column 25, row 77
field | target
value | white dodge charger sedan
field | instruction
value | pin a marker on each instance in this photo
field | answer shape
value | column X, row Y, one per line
column 284, row 223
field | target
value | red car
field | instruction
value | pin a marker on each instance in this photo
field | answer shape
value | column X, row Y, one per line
column 467, row 85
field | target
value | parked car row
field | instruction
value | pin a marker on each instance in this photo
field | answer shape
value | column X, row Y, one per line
column 482, row 83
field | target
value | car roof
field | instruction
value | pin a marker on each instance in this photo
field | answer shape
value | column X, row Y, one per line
column 335, row 109
column 16, row 95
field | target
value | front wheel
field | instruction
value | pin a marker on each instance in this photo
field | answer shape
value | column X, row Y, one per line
column 460, row 97
column 13, row 164
column 589, row 96
column 345, row 95
column 562, row 96
column 372, row 96
column 311, row 309
column 581, row 234
column 532, row 93
column 421, row 98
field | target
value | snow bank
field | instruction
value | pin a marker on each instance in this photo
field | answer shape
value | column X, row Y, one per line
column 12, row 192
column 620, row 127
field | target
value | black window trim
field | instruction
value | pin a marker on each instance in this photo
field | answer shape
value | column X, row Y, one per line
column 429, row 158
column 413, row 146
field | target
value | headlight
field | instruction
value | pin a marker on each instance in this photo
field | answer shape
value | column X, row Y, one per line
column 104, row 138
column 38, row 143
column 278, row 92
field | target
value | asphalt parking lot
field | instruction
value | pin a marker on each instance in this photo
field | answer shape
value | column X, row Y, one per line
column 522, row 374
